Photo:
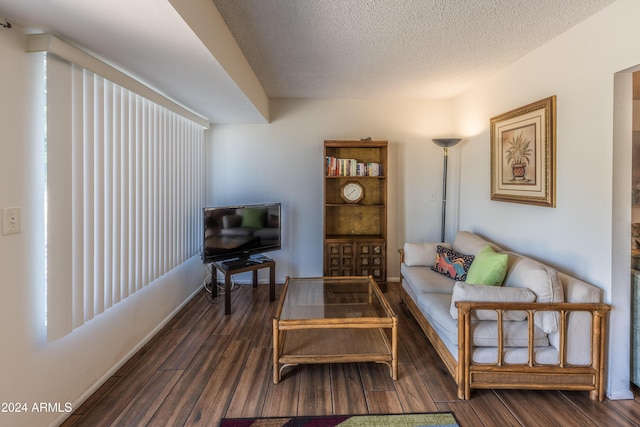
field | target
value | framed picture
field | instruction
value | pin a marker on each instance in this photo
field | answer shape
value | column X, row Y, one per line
column 523, row 154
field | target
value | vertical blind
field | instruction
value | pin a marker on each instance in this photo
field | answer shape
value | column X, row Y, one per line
column 124, row 184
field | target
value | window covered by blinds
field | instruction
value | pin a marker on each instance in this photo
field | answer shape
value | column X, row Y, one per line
column 125, row 192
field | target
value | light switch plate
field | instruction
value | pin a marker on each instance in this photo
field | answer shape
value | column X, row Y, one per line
column 11, row 220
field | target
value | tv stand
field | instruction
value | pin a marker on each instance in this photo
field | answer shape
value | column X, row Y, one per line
column 241, row 265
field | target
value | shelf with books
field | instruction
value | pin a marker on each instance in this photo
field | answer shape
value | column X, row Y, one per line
column 339, row 167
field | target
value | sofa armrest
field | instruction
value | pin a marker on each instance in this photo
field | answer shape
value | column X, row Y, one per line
column 401, row 252
column 598, row 313
column 576, row 290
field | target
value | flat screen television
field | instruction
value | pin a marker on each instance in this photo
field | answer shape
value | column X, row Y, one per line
column 237, row 232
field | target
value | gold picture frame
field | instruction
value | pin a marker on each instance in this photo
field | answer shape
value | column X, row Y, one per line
column 523, row 154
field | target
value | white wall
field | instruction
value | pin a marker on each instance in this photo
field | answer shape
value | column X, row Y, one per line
column 33, row 370
column 283, row 161
column 578, row 235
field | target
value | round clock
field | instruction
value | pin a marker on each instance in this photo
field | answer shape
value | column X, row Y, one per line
column 352, row 192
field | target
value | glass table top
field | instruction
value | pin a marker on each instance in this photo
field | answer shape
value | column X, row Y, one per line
column 333, row 298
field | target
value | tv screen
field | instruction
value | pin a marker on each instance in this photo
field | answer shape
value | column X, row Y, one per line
column 240, row 231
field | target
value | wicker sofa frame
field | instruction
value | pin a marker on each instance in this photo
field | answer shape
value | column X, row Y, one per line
column 469, row 375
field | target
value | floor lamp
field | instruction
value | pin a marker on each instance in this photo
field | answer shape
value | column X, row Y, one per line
column 445, row 143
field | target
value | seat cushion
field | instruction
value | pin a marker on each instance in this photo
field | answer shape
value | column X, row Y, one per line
column 547, row 355
column 435, row 308
column 484, row 333
column 423, row 279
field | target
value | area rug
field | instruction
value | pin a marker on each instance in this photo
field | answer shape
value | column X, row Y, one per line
column 440, row 419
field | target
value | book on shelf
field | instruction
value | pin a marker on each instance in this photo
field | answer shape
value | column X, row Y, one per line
column 351, row 167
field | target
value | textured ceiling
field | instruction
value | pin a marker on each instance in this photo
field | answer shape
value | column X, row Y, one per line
column 308, row 48
column 391, row 48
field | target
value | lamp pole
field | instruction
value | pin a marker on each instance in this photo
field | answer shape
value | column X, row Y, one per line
column 445, row 143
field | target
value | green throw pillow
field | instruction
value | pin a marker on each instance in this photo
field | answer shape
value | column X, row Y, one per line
column 254, row 218
column 488, row 268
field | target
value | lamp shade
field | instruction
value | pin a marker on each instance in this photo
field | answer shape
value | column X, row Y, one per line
column 446, row 142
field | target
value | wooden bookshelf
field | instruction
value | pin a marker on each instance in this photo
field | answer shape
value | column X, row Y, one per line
column 355, row 233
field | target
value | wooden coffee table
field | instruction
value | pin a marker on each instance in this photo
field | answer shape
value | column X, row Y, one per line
column 334, row 320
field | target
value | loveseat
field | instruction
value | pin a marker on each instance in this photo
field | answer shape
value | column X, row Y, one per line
column 498, row 319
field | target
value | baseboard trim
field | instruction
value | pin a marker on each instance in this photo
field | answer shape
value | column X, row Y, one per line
column 620, row 395
column 100, row 382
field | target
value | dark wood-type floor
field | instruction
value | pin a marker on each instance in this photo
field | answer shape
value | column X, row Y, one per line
column 204, row 366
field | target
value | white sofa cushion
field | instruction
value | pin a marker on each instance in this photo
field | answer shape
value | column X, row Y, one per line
column 543, row 280
column 435, row 307
column 470, row 244
column 421, row 254
column 578, row 323
column 484, row 333
column 424, row 279
column 468, row 292
column 547, row 355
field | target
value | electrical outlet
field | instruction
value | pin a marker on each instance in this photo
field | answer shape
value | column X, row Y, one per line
column 11, row 220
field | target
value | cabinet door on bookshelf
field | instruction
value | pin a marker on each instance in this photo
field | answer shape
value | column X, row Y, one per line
column 339, row 259
column 371, row 260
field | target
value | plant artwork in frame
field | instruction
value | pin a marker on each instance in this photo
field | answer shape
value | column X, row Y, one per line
column 523, row 154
